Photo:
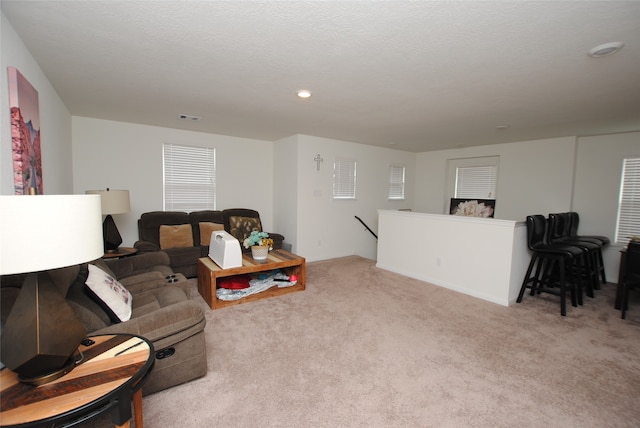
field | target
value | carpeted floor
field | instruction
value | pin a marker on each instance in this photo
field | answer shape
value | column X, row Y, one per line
column 362, row 347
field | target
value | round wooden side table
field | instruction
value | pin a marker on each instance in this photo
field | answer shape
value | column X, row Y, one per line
column 120, row 252
column 109, row 377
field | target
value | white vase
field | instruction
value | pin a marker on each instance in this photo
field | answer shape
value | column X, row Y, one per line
column 259, row 252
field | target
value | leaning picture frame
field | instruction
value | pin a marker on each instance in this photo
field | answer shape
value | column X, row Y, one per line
column 472, row 207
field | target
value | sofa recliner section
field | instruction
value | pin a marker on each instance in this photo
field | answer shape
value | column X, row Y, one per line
column 162, row 312
column 183, row 259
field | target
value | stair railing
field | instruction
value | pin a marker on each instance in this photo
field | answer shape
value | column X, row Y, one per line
column 367, row 227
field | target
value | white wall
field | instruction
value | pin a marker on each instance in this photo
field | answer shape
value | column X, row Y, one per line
column 544, row 176
column 55, row 120
column 128, row 156
column 326, row 227
column 278, row 179
column 484, row 258
column 285, row 192
column 534, row 177
column 597, row 187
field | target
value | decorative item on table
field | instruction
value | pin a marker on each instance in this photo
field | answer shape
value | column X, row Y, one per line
column 260, row 244
column 224, row 249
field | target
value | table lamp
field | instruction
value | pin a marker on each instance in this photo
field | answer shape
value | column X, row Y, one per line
column 113, row 202
column 37, row 233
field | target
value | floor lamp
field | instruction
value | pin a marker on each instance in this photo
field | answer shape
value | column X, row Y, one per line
column 37, row 233
column 113, row 202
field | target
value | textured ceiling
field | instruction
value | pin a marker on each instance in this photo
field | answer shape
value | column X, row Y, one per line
column 415, row 76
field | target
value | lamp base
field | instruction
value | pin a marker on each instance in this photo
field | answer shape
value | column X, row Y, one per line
column 42, row 333
column 56, row 374
column 112, row 238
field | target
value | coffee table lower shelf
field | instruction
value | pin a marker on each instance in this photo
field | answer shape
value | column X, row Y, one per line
column 209, row 272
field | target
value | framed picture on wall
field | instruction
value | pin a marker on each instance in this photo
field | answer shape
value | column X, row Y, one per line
column 472, row 207
column 25, row 135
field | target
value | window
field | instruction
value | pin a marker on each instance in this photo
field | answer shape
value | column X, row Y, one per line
column 628, row 224
column 396, row 182
column 344, row 179
column 472, row 178
column 189, row 178
column 476, row 182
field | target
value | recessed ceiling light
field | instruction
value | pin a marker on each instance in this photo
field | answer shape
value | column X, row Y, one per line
column 304, row 93
column 606, row 49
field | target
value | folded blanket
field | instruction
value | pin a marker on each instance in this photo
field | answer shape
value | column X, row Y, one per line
column 275, row 279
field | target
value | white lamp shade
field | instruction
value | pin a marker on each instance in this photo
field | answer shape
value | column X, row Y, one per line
column 113, row 201
column 44, row 232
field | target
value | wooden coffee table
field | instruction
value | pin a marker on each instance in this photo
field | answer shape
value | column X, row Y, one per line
column 209, row 272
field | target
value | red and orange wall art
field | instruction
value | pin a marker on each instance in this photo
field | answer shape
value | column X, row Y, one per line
column 25, row 135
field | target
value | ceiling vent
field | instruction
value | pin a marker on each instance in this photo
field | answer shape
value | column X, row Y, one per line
column 188, row 117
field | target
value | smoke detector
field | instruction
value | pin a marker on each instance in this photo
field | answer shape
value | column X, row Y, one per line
column 606, row 49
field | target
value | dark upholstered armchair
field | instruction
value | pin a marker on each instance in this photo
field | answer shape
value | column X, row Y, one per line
column 240, row 222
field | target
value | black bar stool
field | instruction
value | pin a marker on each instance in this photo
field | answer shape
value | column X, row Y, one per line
column 554, row 268
column 558, row 233
column 574, row 221
column 631, row 274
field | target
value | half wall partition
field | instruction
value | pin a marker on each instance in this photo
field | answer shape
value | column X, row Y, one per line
column 482, row 257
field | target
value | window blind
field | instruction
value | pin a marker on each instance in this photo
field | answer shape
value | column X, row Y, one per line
column 344, row 179
column 476, row 182
column 396, row 182
column 628, row 224
column 189, row 178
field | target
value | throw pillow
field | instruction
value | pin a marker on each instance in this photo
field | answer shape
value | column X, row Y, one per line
column 241, row 227
column 206, row 229
column 112, row 296
column 78, row 293
column 175, row 236
column 103, row 266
